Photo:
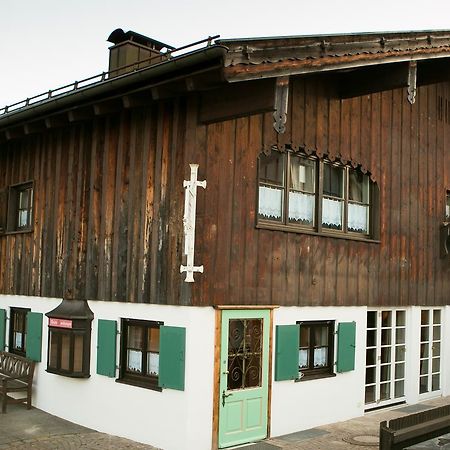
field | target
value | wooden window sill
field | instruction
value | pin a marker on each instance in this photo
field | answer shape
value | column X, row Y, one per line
column 7, row 233
column 139, row 383
column 314, row 376
column 67, row 374
column 331, row 234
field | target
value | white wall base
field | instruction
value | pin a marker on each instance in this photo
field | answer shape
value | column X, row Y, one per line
column 182, row 420
column 305, row 404
column 144, row 415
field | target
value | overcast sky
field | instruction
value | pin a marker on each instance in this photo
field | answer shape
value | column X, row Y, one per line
column 48, row 43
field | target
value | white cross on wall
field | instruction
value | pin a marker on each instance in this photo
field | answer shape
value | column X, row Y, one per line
column 190, row 208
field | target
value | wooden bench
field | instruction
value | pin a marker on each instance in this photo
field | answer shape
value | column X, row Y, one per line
column 16, row 375
column 414, row 428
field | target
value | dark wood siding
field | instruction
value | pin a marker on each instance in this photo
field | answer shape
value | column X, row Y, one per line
column 102, row 228
column 109, row 205
column 404, row 146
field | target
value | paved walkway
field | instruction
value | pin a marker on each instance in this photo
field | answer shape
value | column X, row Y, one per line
column 359, row 433
column 37, row 430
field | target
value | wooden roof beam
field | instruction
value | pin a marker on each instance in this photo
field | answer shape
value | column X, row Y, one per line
column 79, row 114
column 137, row 99
column 107, row 107
column 34, row 127
column 373, row 79
column 56, row 121
column 13, row 133
column 436, row 71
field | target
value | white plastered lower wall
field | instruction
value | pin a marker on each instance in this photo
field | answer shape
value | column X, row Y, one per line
column 182, row 420
column 302, row 405
column 171, row 420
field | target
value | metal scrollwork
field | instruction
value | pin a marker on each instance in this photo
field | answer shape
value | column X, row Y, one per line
column 244, row 353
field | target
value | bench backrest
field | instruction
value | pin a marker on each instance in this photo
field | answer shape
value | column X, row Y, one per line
column 16, row 366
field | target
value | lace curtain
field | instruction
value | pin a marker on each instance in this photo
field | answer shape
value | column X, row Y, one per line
column 320, row 357
column 152, row 363
column 332, row 212
column 301, row 206
column 270, row 202
column 358, row 218
column 303, row 359
column 134, row 362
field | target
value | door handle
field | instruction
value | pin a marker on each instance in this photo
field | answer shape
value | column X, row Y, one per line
column 224, row 396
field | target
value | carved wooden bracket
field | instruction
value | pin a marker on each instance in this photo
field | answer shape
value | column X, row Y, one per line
column 281, row 104
column 412, row 82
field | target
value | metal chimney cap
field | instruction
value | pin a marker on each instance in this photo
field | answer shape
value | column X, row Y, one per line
column 118, row 36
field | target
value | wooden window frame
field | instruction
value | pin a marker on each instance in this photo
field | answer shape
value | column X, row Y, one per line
column 447, row 204
column 143, row 380
column 13, row 210
column 318, row 229
column 13, row 312
column 321, row 372
column 58, row 333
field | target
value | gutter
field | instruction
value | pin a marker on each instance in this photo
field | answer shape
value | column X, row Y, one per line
column 110, row 85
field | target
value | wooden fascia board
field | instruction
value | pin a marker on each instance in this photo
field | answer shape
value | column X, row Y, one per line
column 243, row 72
column 253, row 307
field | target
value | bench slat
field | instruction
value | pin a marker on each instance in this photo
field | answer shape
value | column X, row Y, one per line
column 16, row 375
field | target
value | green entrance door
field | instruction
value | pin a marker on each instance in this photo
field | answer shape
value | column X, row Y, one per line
column 244, row 364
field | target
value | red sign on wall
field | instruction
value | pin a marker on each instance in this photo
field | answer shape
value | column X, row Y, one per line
column 60, row 323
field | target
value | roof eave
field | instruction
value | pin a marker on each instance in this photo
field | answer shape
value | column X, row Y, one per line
column 102, row 88
column 289, row 66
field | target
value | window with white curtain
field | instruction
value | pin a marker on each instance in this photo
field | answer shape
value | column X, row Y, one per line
column 316, row 348
column 140, row 353
column 305, row 192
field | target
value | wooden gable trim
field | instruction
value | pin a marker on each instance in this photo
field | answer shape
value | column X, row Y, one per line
column 292, row 66
column 320, row 155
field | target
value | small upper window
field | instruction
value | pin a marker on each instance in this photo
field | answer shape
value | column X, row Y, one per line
column 139, row 352
column 316, row 349
column 20, row 207
column 305, row 193
column 17, row 331
column 447, row 207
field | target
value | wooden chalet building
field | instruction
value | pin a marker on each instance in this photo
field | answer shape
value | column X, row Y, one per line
column 319, row 244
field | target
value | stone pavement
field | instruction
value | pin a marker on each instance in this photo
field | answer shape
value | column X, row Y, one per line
column 359, row 433
column 37, row 430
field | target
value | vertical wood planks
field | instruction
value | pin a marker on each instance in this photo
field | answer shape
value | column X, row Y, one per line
column 108, row 205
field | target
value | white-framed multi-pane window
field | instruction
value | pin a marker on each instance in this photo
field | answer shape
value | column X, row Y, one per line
column 385, row 357
column 430, row 351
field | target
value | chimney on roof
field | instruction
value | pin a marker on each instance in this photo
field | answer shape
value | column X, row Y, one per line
column 132, row 51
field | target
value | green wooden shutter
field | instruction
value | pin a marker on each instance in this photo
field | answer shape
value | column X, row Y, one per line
column 106, row 347
column 2, row 329
column 286, row 352
column 346, row 346
column 172, row 352
column 34, row 336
